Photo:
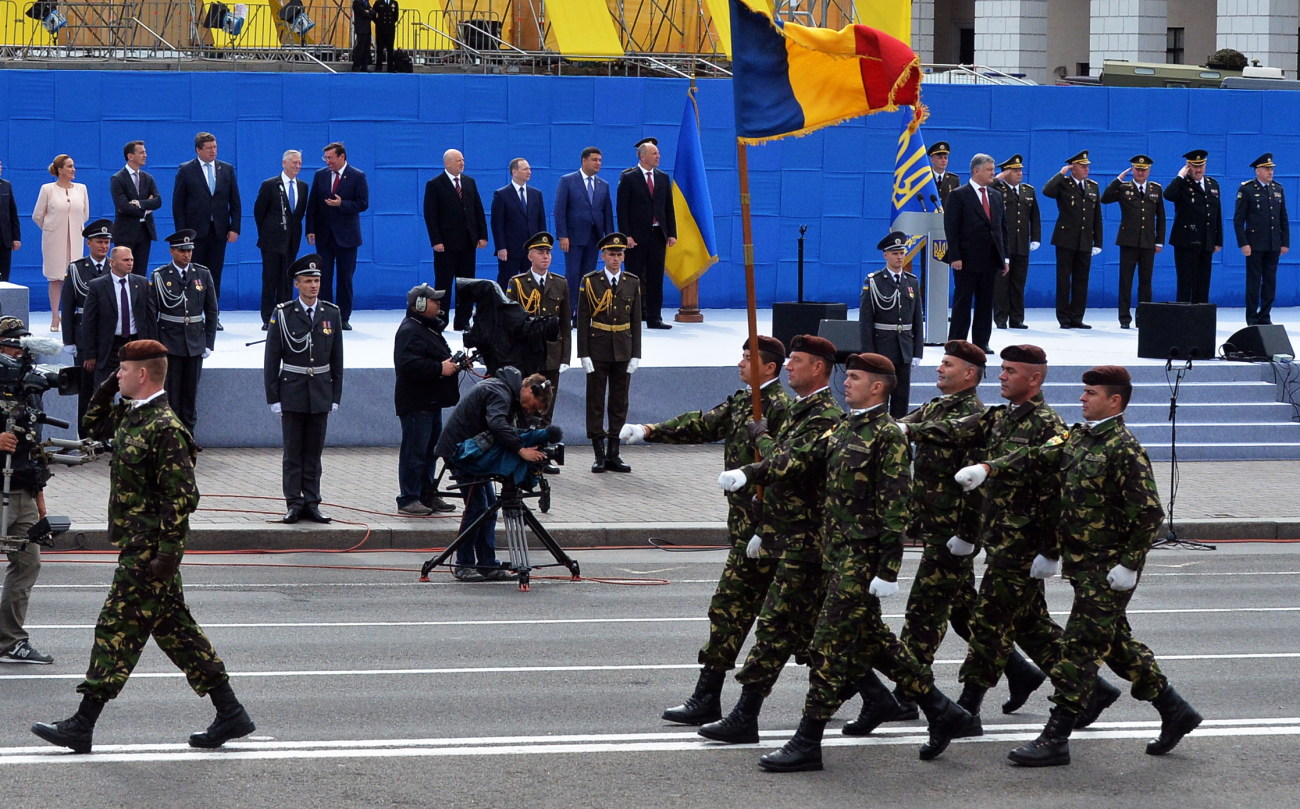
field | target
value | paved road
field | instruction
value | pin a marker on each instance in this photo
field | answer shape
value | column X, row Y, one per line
column 372, row 689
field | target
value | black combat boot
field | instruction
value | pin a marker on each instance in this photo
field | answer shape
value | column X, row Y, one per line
column 704, row 705
column 1103, row 696
column 741, row 725
column 907, row 710
column 1052, row 747
column 878, row 706
column 232, row 720
column 803, row 752
column 612, row 462
column 948, row 721
column 972, row 697
column 77, row 731
column 1023, row 679
column 598, row 445
column 1177, row 719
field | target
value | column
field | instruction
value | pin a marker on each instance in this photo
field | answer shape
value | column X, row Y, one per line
column 1011, row 36
column 1132, row 30
column 1264, row 30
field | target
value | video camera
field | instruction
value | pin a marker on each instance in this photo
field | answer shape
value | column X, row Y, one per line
column 23, row 375
column 464, row 359
column 502, row 331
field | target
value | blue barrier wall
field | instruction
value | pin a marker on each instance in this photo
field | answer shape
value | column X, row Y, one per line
column 835, row 181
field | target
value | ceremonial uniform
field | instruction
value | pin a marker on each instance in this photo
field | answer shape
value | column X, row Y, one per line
column 73, row 302
column 187, row 325
column 550, row 298
column 1197, row 231
column 1078, row 231
column 945, row 182
column 890, row 324
column 1261, row 223
column 609, row 334
column 1141, row 232
column 1024, row 232
column 385, row 13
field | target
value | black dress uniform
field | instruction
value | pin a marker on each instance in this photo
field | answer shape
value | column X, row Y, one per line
column 187, row 325
column 1024, row 227
column 609, row 334
column 303, row 371
column 890, row 322
column 80, row 273
column 947, row 182
column 1141, row 231
column 1078, row 231
column 1197, row 232
column 549, row 299
column 1261, row 223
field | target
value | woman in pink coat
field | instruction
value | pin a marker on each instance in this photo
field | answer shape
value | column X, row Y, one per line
column 61, row 212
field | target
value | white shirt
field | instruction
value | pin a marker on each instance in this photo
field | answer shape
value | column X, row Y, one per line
column 976, row 186
column 613, row 279
column 540, row 280
column 450, row 176
column 814, row 393
column 287, row 184
column 1092, row 424
column 146, row 400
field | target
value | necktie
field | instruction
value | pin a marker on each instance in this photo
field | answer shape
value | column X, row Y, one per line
column 135, row 178
column 334, row 188
column 650, row 182
column 984, row 198
column 523, row 198
column 591, row 190
column 293, row 194
column 456, row 180
column 1082, row 188
column 613, row 283
column 126, row 311
column 99, row 269
column 212, row 178
column 308, row 310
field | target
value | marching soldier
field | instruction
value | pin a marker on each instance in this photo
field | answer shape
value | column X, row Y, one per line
column 1024, row 233
column 98, row 236
column 303, row 371
column 1141, row 230
column 609, row 345
column 1197, row 232
column 542, row 293
column 889, row 322
column 1264, row 236
column 1077, row 237
column 945, row 181
column 186, row 301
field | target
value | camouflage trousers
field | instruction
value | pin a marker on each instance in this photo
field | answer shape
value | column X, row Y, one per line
column 942, row 593
column 852, row 637
column 785, row 624
column 1011, row 609
column 138, row 607
column 741, row 589
column 1098, row 631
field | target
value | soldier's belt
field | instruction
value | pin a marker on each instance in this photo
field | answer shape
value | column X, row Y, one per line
column 891, row 327
column 178, row 319
column 309, row 370
column 608, row 327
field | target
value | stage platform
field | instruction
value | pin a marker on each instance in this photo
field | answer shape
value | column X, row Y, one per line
column 1228, row 410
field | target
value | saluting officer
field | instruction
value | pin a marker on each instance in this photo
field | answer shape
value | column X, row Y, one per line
column 1077, row 237
column 542, row 293
column 1024, row 234
column 1264, row 236
column 98, row 236
column 303, row 371
column 187, row 323
column 609, row 344
column 944, row 180
column 890, row 319
column 1141, row 230
column 1197, row 232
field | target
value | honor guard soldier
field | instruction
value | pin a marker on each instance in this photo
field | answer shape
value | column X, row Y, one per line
column 1077, row 237
column 98, row 236
column 1264, row 236
column 1141, row 230
column 945, row 181
column 1024, row 234
column 889, row 322
column 542, row 293
column 186, row 301
column 1197, row 232
column 303, row 371
column 609, row 345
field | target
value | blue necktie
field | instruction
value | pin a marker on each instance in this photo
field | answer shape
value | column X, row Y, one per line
column 293, row 195
column 523, row 199
column 212, row 180
column 591, row 190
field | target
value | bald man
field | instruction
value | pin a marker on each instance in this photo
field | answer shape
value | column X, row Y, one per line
column 453, row 215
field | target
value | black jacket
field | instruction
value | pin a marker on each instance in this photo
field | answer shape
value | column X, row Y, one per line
column 492, row 406
column 30, row 470
column 418, row 352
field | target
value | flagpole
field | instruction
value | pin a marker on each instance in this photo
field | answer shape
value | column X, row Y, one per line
column 751, row 298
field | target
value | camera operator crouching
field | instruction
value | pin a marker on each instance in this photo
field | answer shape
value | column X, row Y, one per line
column 487, row 436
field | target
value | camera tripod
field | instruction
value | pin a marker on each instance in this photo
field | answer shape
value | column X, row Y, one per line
column 518, row 520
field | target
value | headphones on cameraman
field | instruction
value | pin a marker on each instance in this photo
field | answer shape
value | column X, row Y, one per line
column 425, row 293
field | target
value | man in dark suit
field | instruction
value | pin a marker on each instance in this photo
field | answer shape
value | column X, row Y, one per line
column 135, row 198
column 279, row 210
column 206, row 201
column 1197, row 232
column 1141, row 230
column 1024, row 233
column 890, row 322
column 645, row 214
column 584, row 213
column 10, row 229
column 1264, row 236
column 339, row 193
column 518, row 211
column 1077, row 237
column 609, row 345
column 362, row 15
column 186, row 303
column 72, row 303
column 945, row 181
column 453, row 216
column 974, row 220
column 103, row 330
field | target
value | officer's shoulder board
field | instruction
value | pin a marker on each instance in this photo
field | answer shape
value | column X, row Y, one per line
column 593, row 274
column 629, row 275
column 283, row 305
column 324, row 304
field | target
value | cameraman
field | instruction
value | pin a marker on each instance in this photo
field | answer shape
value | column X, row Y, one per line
column 427, row 381
column 490, row 419
column 26, row 507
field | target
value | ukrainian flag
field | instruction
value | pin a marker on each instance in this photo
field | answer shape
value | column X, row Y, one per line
column 792, row 79
column 697, row 248
column 913, row 187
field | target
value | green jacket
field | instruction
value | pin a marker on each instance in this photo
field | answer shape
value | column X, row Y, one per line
column 940, row 508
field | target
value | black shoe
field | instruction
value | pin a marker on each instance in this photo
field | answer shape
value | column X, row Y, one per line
column 438, row 504
column 1125, row 326
column 1019, row 326
column 1000, row 325
column 657, row 324
column 73, row 733
column 500, row 574
column 1103, row 696
column 598, row 446
column 704, row 705
column 612, row 462
column 292, row 515
column 1177, row 719
column 876, row 712
column 1082, row 325
column 741, row 725
column 947, row 721
column 230, row 724
column 800, row 754
column 312, row 512
column 972, row 697
column 1051, row 748
column 219, row 326
column 263, row 327
column 1023, row 679
column 347, row 326
column 1067, row 326
column 550, row 469
column 468, row 573
column 987, row 350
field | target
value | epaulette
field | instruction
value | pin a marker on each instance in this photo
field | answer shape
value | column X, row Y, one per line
column 194, row 266
column 593, row 274
column 633, row 276
column 325, row 303
column 282, row 305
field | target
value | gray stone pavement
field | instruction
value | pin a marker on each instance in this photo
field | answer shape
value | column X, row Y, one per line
column 670, row 495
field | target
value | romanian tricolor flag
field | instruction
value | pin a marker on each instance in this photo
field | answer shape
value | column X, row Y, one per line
column 697, row 248
column 792, row 79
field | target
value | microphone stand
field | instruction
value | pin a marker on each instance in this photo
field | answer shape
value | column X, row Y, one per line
column 1171, row 538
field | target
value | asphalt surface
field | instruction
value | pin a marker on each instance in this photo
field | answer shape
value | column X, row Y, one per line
column 370, row 688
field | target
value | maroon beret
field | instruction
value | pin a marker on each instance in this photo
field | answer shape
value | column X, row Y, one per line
column 871, row 363
column 1107, row 375
column 141, row 350
column 963, row 350
column 812, row 344
column 1032, row 355
column 770, row 345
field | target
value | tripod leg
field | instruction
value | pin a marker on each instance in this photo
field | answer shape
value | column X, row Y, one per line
column 461, row 538
column 516, row 538
column 551, row 545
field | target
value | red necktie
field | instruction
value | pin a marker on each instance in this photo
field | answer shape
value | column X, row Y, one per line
column 984, row 197
column 456, row 180
column 334, row 188
column 650, row 182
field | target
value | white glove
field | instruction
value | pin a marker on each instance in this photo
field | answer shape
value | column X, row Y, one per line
column 334, row 407
column 587, row 365
column 275, row 408
column 563, row 367
column 754, row 547
column 1096, row 250
column 960, row 547
column 916, row 362
column 207, row 352
column 971, row 477
column 883, row 589
column 632, row 433
column 633, row 364
column 1034, row 246
column 733, row 480
column 1122, row 579
column 1044, row 568
column 902, row 425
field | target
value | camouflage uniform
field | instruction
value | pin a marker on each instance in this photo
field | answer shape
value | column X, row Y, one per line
column 791, row 532
column 864, row 462
column 744, row 581
column 151, row 497
column 1107, row 512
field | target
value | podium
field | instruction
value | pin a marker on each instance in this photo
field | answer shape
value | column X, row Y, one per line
column 935, row 273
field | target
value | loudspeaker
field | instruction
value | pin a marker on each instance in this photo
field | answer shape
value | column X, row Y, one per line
column 1259, row 343
column 801, row 317
column 1179, row 331
column 845, row 334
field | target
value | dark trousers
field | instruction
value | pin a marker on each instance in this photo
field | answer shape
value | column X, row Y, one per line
column 580, row 260
column 1072, row 267
column 140, row 252
column 1009, row 293
column 108, row 365
column 510, row 268
column 1193, row 266
column 1143, row 260
column 481, row 550
column 611, row 377
column 900, row 398
column 276, row 285
column 973, row 286
column 183, row 387
column 210, row 252
column 360, row 47
column 416, row 458
column 304, row 441
column 338, row 265
column 554, row 377
column 447, row 266
column 646, row 261
column 384, row 36
column 1261, row 285
column 83, row 399
column 7, row 257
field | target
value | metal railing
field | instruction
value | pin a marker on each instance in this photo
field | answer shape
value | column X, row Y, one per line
column 969, row 74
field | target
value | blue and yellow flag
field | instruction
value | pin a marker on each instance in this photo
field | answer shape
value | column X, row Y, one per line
column 913, row 187
column 697, row 248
